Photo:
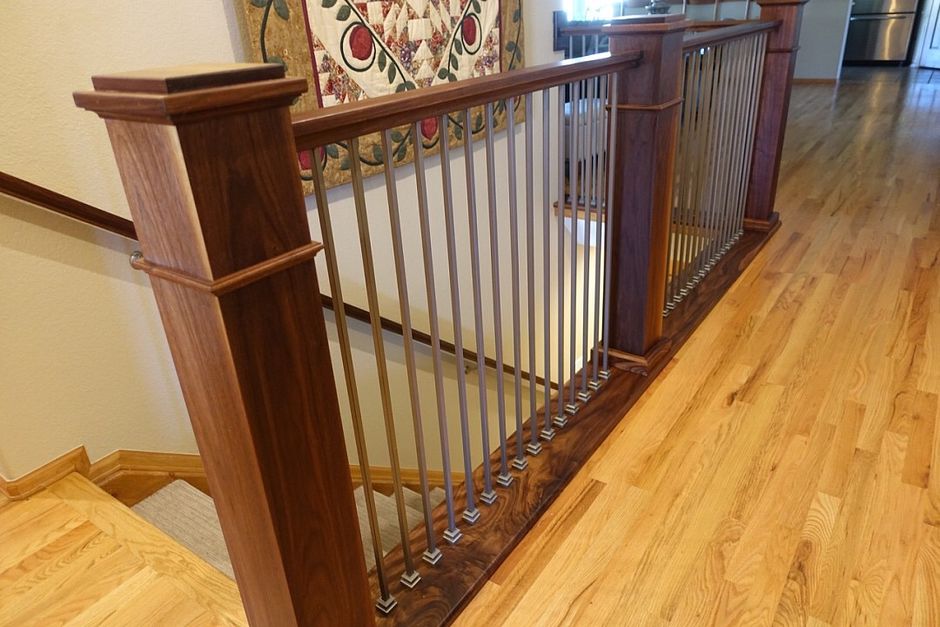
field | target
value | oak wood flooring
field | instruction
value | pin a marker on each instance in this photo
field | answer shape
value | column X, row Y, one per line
column 785, row 469
column 73, row 555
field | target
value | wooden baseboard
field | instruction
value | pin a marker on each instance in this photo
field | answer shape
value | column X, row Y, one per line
column 32, row 482
column 131, row 476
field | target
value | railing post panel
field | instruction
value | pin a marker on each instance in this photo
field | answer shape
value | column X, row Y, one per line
column 207, row 158
column 779, row 62
column 643, row 164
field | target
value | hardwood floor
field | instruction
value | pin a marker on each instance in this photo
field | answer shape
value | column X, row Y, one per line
column 783, row 471
column 780, row 472
column 73, row 555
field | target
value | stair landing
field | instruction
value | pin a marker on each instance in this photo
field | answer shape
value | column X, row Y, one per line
column 74, row 555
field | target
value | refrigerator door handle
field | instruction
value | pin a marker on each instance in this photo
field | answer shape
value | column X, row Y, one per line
column 877, row 18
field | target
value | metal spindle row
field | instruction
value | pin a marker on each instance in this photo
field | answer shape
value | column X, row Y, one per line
column 573, row 146
column 717, row 120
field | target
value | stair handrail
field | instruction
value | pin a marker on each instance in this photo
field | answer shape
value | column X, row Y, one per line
column 112, row 223
column 64, row 205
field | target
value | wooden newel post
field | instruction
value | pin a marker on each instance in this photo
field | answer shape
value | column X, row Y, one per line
column 779, row 62
column 207, row 157
column 643, row 165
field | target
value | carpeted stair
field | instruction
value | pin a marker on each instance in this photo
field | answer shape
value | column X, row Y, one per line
column 188, row 516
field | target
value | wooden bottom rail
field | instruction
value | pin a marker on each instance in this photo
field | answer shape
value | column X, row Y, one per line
column 446, row 588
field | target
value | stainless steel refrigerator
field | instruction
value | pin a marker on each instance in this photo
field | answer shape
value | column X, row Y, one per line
column 880, row 30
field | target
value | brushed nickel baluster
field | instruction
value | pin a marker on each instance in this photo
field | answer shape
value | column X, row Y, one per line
column 584, row 393
column 678, row 228
column 470, row 514
column 611, row 164
column 758, row 72
column 505, row 478
column 714, row 135
column 534, row 447
column 574, row 159
column 519, row 462
column 452, row 534
column 742, row 92
column 600, row 141
column 560, row 418
column 432, row 554
column 701, row 167
column 488, row 495
column 411, row 577
column 386, row 602
column 547, row 432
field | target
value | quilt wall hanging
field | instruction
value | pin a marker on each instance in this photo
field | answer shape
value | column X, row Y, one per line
column 350, row 50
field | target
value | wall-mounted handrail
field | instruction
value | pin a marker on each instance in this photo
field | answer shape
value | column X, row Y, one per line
column 105, row 220
column 66, row 206
column 329, row 125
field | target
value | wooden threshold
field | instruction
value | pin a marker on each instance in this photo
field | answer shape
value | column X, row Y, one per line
column 447, row 587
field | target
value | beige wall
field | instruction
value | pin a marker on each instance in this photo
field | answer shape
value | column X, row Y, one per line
column 83, row 359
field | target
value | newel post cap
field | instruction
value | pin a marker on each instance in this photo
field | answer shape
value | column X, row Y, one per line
column 190, row 92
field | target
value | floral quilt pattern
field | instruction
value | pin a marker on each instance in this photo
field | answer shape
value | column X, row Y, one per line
column 350, row 50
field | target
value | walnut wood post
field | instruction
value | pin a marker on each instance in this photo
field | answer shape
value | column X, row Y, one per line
column 207, row 158
column 779, row 62
column 643, row 164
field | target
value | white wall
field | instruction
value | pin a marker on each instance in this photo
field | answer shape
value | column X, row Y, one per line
column 84, row 358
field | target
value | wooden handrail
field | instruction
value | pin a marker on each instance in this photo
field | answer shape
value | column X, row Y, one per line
column 721, row 34
column 355, row 119
column 63, row 205
column 93, row 216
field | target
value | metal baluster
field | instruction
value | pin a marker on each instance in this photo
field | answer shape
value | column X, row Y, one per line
column 410, row 577
column 505, row 478
column 714, row 160
column 574, row 159
column 584, row 48
column 611, row 164
column 584, row 394
column 601, row 213
column 758, row 71
column 731, row 149
column 739, row 135
column 534, row 447
column 716, row 17
column 471, row 514
column 547, row 431
column 684, row 178
column 747, row 9
column 488, row 495
column 519, row 462
column 432, row 554
column 692, row 168
column 561, row 419
column 676, row 232
column 702, row 167
column 386, row 602
column 726, row 158
column 452, row 533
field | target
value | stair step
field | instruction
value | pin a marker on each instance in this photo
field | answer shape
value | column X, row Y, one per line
column 189, row 516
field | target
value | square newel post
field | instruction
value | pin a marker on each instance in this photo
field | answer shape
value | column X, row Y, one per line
column 207, row 158
column 779, row 62
column 643, row 163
